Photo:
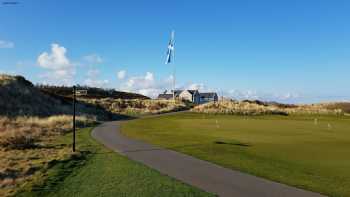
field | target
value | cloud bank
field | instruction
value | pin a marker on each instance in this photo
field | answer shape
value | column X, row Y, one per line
column 146, row 84
column 258, row 95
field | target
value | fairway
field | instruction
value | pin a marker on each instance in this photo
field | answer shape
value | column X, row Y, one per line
column 105, row 173
column 295, row 150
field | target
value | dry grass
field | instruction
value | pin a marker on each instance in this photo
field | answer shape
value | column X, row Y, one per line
column 23, row 132
column 248, row 108
column 29, row 144
column 19, row 166
column 315, row 109
column 137, row 106
column 345, row 106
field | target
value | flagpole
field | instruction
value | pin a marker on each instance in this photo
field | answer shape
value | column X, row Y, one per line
column 174, row 82
column 173, row 58
column 170, row 59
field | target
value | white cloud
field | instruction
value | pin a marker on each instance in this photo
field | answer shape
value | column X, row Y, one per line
column 288, row 95
column 149, row 76
column 59, row 68
column 241, row 95
column 153, row 93
column 170, row 79
column 141, row 82
column 196, row 86
column 96, row 83
column 92, row 73
column 121, row 74
column 147, row 85
column 56, row 60
column 6, row 44
column 93, row 80
column 265, row 96
column 93, row 59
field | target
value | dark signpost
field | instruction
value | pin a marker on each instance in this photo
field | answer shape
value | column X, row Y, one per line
column 75, row 93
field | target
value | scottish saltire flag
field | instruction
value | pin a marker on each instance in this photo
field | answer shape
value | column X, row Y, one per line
column 170, row 51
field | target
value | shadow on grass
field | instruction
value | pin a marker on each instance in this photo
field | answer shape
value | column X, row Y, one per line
column 59, row 171
column 47, row 146
column 234, row 143
column 160, row 148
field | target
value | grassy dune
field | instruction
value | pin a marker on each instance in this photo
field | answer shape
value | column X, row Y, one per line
column 296, row 150
column 265, row 108
column 137, row 106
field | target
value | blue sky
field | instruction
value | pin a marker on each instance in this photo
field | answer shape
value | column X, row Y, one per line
column 289, row 51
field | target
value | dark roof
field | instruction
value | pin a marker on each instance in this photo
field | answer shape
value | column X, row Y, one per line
column 192, row 91
column 208, row 94
column 177, row 92
column 165, row 96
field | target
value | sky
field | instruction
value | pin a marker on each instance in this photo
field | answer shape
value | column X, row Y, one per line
column 287, row 51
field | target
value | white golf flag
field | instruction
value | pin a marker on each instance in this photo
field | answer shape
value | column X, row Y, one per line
column 170, row 51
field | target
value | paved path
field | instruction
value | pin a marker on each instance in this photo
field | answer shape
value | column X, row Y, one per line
column 207, row 176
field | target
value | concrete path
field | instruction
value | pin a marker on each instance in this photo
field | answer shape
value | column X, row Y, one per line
column 201, row 174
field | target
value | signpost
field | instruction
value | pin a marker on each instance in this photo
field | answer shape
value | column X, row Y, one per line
column 81, row 92
column 76, row 93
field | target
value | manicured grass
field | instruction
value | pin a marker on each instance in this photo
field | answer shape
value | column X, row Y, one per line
column 295, row 150
column 99, row 171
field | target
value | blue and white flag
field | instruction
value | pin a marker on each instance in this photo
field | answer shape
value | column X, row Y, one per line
column 170, row 51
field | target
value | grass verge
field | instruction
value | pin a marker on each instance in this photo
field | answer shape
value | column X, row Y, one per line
column 98, row 171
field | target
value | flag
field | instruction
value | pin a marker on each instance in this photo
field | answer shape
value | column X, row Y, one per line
column 170, row 51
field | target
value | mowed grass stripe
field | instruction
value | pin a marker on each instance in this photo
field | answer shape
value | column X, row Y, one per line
column 105, row 173
column 296, row 150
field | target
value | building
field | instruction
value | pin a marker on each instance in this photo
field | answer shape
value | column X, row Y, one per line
column 168, row 95
column 190, row 95
column 208, row 97
column 165, row 96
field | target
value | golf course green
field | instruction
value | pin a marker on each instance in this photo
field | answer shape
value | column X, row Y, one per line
column 309, row 152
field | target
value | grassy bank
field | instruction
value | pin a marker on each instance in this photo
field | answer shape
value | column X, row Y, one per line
column 231, row 107
column 136, row 107
column 98, row 171
column 28, row 145
column 296, row 150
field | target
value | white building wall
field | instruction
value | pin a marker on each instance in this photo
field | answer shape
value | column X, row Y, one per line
column 185, row 95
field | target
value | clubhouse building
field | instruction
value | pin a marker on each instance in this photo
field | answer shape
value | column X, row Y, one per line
column 193, row 96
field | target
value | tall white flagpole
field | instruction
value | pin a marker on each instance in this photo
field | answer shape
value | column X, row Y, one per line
column 173, row 59
column 170, row 59
column 174, row 82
